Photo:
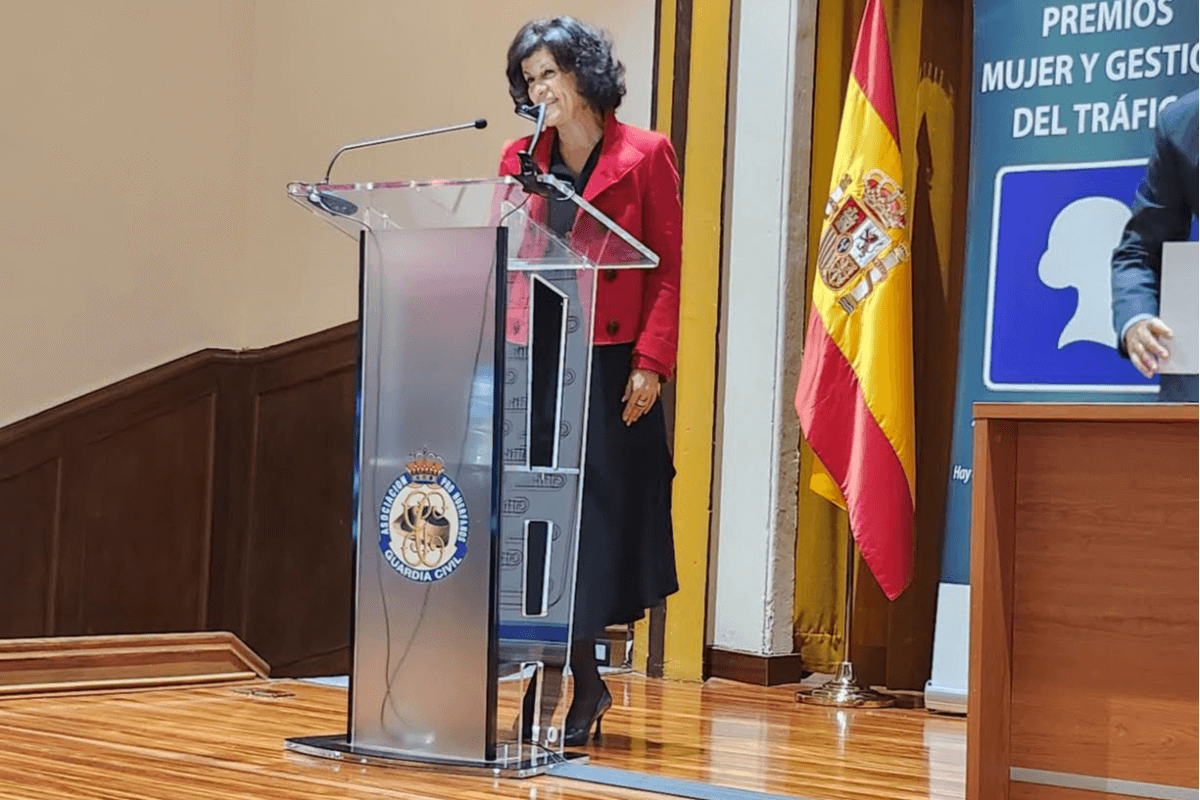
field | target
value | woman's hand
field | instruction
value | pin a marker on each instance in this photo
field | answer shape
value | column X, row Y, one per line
column 641, row 392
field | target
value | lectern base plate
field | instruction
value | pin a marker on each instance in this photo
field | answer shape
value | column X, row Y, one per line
column 338, row 747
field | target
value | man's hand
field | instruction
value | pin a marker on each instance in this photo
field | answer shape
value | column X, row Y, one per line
column 1145, row 342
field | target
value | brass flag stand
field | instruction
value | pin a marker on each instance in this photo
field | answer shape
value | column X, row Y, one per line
column 843, row 691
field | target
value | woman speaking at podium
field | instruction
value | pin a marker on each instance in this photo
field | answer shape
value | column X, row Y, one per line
column 626, row 558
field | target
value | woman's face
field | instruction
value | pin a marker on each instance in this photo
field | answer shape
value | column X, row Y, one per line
column 546, row 83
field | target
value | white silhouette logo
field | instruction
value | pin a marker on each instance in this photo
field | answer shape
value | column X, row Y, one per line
column 1079, row 255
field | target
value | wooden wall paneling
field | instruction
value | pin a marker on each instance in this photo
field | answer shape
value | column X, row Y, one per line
column 231, row 482
column 137, row 522
column 129, row 452
column 29, row 531
column 138, row 508
column 299, row 507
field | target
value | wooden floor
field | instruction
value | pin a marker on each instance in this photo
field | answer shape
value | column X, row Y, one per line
column 227, row 742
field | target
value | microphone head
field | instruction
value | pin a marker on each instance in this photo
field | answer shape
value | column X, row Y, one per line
column 481, row 123
column 331, row 203
column 530, row 112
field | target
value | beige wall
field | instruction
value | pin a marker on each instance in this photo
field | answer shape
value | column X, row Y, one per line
column 121, row 124
column 145, row 147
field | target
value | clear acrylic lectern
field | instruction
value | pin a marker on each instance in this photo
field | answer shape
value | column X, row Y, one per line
column 475, row 358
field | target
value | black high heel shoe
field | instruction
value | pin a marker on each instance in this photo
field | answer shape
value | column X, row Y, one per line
column 576, row 733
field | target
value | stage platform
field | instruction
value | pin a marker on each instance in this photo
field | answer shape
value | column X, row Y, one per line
column 719, row 740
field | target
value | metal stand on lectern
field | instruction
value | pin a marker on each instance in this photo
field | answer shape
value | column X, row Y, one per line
column 474, row 365
column 842, row 690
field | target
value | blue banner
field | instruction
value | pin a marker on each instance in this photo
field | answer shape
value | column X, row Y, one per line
column 1064, row 106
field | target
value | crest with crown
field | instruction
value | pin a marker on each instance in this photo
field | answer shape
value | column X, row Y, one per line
column 425, row 467
column 884, row 198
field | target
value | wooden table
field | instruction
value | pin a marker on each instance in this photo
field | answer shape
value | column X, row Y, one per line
column 1084, row 531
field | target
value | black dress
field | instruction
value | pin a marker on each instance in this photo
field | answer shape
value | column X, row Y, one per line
column 626, row 545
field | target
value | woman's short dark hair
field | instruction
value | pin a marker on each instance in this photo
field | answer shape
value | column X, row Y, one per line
column 580, row 49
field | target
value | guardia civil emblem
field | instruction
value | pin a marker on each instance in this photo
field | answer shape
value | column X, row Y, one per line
column 863, row 240
column 423, row 522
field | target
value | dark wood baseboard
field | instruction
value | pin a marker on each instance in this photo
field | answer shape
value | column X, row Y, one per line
column 90, row 663
column 753, row 669
column 210, row 493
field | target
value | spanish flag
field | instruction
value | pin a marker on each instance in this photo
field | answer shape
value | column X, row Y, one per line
column 855, row 396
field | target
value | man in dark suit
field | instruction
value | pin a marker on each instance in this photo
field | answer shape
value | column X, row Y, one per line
column 1162, row 212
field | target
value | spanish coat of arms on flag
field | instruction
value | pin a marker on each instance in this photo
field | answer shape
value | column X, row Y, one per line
column 855, row 394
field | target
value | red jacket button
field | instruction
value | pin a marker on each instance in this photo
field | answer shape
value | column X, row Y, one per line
column 613, row 327
column 610, row 274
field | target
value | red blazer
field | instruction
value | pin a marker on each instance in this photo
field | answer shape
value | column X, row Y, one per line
column 635, row 183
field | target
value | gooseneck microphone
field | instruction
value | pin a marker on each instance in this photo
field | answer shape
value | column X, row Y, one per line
column 547, row 185
column 479, row 123
column 532, row 180
column 342, row 207
column 536, row 113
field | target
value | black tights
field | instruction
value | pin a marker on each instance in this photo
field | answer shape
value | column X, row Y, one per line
column 584, row 668
column 588, row 685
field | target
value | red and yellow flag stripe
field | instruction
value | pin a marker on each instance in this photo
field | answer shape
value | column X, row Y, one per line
column 855, row 395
